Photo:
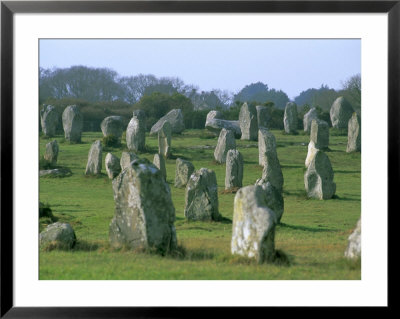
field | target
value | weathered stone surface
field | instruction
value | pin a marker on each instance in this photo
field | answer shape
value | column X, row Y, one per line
column 49, row 120
column 340, row 112
column 144, row 213
column 215, row 123
column 248, row 122
column 126, row 159
column 226, row 142
column 290, row 118
column 273, row 199
column 312, row 150
column 164, row 140
column 214, row 115
column 59, row 235
column 319, row 134
column 263, row 116
column 56, row 172
column 253, row 229
column 112, row 126
column 318, row 179
column 183, row 171
column 159, row 162
column 234, row 169
column 136, row 132
column 113, row 166
column 51, row 152
column 72, row 119
column 174, row 117
column 308, row 117
column 94, row 162
column 354, row 134
column 266, row 144
column 354, row 245
column 201, row 196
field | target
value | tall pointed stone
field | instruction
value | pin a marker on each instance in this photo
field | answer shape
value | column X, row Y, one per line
column 248, row 122
column 164, row 140
column 72, row 120
column 159, row 162
column 234, row 169
column 308, row 117
column 226, row 142
column 94, row 162
column 354, row 134
column 136, row 132
column 290, row 118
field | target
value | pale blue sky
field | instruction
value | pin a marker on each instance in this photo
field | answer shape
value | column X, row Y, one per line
column 291, row 65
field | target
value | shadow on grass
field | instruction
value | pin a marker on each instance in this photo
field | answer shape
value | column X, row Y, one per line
column 292, row 166
column 83, row 245
column 347, row 172
column 345, row 198
column 280, row 258
column 305, row 228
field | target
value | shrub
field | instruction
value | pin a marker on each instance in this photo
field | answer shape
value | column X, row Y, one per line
column 111, row 141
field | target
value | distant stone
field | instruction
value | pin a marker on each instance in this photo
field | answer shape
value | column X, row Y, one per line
column 126, row 159
column 159, row 162
column 144, row 212
column 56, row 172
column 113, row 166
column 263, row 116
column 136, row 132
column 354, row 134
column 290, row 118
column 51, row 152
column 319, row 134
column 215, row 123
column 341, row 112
column 94, row 162
column 248, row 122
column 266, row 144
column 234, row 169
column 214, row 115
column 318, row 179
column 164, row 140
column 173, row 117
column 308, row 117
column 182, row 173
column 72, row 119
column 201, row 196
column 354, row 243
column 112, row 126
column 273, row 199
column 49, row 120
column 58, row 235
column 226, row 142
column 253, row 229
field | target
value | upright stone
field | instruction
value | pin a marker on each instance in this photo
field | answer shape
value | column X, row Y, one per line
column 319, row 134
column 159, row 162
column 136, row 132
column 318, row 179
column 253, row 226
column 266, row 144
column 144, row 213
column 312, row 150
column 174, row 118
column 353, row 249
column 340, row 113
column 126, row 159
column 234, row 169
column 354, row 134
column 308, row 117
column 164, row 140
column 93, row 166
column 51, row 152
column 273, row 199
column 113, row 166
column 226, row 142
column 248, row 122
column 112, row 126
column 72, row 119
column 201, row 196
column 263, row 116
column 49, row 120
column 290, row 118
column 183, row 171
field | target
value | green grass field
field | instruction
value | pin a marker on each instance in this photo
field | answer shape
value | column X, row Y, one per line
column 313, row 233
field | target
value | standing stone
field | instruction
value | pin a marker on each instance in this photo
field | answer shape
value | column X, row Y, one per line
column 182, row 173
column 226, row 142
column 248, row 122
column 266, row 143
column 58, row 235
column 340, row 113
column 51, row 152
column 164, row 140
column 312, row 150
column 159, row 162
column 136, row 132
column 273, row 199
column 354, row 134
column 174, row 118
column 290, row 118
column 308, row 117
column 263, row 116
column 214, row 115
column 126, row 159
column 49, row 120
column 93, row 166
column 201, row 196
column 144, row 213
column 318, row 179
column 112, row 126
column 253, row 226
column 234, row 169
column 319, row 134
column 72, row 119
column 354, row 245
column 113, row 166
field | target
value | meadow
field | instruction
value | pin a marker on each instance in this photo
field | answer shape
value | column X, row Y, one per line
column 312, row 233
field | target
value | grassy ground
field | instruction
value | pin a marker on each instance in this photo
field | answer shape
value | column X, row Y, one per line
column 313, row 234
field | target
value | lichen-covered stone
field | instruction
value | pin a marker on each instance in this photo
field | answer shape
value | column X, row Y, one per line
column 49, row 120
column 354, row 134
column 72, row 120
column 174, row 118
column 234, row 169
column 308, row 117
column 340, row 112
column 126, row 159
column 94, row 162
column 290, row 118
column 319, row 134
column 248, row 122
column 266, row 144
column 226, row 142
column 253, row 226
column 201, row 196
column 136, row 132
column 112, row 126
column 113, row 166
column 51, row 152
column 164, row 140
column 55, row 172
column 144, row 212
column 312, row 150
column 183, row 171
column 353, row 249
column 59, row 235
column 159, row 162
column 263, row 116
column 273, row 199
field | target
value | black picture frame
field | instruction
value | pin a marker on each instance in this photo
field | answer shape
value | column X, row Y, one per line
column 9, row 8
